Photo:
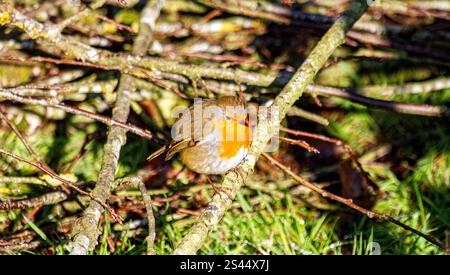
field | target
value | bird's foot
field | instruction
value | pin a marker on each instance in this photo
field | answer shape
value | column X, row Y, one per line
column 219, row 189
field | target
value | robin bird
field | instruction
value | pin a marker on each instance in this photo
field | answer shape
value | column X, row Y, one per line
column 212, row 136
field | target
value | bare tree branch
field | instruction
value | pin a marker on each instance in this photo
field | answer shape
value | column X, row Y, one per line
column 85, row 231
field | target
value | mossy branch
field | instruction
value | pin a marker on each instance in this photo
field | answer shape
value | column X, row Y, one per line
column 86, row 231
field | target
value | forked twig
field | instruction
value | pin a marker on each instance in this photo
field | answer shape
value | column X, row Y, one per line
column 336, row 142
column 350, row 203
column 300, row 143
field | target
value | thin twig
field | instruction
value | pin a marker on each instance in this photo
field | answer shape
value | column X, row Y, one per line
column 81, row 152
column 150, row 217
column 300, row 143
column 437, row 84
column 350, row 203
column 351, row 153
column 46, row 199
column 295, row 111
column 71, row 184
column 20, row 136
column 407, row 108
column 76, row 111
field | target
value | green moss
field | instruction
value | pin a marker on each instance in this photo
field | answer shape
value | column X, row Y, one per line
column 4, row 18
column 14, row 75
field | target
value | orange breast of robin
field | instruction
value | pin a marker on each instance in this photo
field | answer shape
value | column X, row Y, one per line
column 235, row 135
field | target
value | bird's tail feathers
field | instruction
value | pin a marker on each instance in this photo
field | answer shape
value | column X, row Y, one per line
column 158, row 152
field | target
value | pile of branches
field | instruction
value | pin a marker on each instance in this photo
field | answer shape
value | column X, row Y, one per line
column 112, row 62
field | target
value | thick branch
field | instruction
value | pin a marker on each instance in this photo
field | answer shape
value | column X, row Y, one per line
column 86, row 231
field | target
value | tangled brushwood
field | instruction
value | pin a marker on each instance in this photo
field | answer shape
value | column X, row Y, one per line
column 344, row 143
